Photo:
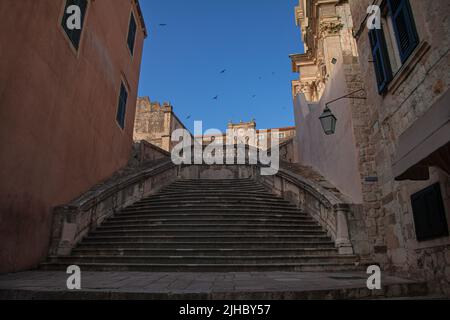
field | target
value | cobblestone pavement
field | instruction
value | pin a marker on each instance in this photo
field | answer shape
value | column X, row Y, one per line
column 155, row 285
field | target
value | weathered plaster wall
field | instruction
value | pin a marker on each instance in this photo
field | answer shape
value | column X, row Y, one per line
column 334, row 156
column 58, row 133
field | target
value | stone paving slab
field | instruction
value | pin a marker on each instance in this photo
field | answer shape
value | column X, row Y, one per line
column 233, row 285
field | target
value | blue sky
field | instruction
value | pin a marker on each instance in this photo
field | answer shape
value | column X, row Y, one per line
column 251, row 39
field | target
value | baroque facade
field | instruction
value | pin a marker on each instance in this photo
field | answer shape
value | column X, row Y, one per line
column 264, row 139
column 246, row 133
column 390, row 149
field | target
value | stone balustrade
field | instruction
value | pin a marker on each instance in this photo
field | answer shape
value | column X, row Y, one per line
column 328, row 208
column 74, row 221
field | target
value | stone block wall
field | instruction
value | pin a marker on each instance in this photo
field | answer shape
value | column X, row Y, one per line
column 149, row 122
column 155, row 123
column 420, row 82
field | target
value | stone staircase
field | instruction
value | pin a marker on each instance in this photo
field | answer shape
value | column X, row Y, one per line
column 208, row 226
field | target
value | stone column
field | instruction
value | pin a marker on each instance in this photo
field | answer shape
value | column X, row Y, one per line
column 166, row 136
column 306, row 89
column 64, row 230
column 342, row 235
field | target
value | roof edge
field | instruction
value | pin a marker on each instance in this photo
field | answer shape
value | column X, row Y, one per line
column 141, row 17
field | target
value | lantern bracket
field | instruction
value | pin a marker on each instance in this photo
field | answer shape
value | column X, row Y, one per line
column 348, row 96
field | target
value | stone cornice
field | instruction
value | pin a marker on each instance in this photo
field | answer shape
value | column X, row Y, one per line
column 322, row 27
column 141, row 18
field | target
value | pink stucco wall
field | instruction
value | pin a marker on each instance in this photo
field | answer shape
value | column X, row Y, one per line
column 58, row 132
column 334, row 156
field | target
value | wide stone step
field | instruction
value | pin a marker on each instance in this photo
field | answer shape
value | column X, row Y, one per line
column 120, row 251
column 292, row 267
column 234, row 210
column 219, row 227
column 226, row 182
column 213, row 205
column 218, row 193
column 214, row 200
column 231, row 183
column 208, row 238
column 207, row 232
column 179, row 196
column 219, row 259
column 215, row 187
column 187, row 190
column 196, row 215
column 113, row 244
column 196, row 198
column 208, row 221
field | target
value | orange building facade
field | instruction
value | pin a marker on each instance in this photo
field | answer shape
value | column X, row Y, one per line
column 67, row 109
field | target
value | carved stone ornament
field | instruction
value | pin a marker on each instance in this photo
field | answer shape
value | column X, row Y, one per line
column 330, row 27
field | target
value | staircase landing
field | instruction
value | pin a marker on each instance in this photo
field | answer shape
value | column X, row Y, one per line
column 205, row 286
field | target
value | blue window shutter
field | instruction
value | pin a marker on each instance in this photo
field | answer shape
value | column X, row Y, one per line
column 381, row 61
column 429, row 213
column 404, row 27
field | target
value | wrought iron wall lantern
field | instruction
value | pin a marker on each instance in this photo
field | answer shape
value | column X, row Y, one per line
column 328, row 119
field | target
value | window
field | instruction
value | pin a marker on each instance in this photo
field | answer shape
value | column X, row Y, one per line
column 121, row 110
column 404, row 27
column 132, row 33
column 429, row 213
column 70, row 18
column 281, row 135
column 383, row 70
column 394, row 43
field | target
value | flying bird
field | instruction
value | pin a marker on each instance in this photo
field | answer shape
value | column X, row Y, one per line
column 216, row 97
column 254, row 96
column 162, row 24
column 188, row 117
column 223, row 71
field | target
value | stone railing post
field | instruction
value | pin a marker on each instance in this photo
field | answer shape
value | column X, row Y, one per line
column 64, row 230
column 342, row 235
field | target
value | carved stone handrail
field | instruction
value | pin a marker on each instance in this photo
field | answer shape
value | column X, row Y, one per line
column 74, row 221
column 329, row 209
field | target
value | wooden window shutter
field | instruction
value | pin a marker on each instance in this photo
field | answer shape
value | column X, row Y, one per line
column 404, row 27
column 381, row 61
column 429, row 213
